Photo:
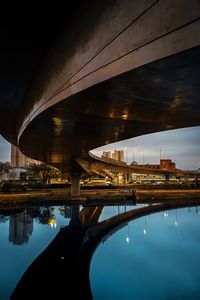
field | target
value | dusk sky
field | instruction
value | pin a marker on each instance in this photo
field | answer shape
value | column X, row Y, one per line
column 4, row 150
column 182, row 146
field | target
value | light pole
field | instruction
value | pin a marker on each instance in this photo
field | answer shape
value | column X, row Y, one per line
column 143, row 157
column 126, row 160
column 126, row 154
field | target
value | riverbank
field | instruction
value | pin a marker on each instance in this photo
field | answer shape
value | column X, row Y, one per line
column 152, row 196
column 97, row 197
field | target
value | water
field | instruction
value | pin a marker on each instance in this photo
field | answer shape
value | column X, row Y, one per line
column 25, row 233
column 154, row 257
column 23, row 236
column 110, row 211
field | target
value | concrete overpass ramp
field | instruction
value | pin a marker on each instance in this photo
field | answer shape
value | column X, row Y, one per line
column 119, row 69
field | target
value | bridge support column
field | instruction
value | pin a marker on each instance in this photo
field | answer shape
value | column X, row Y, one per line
column 75, row 215
column 75, row 184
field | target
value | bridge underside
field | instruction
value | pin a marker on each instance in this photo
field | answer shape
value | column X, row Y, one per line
column 159, row 96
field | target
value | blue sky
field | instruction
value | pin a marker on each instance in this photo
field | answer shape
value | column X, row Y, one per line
column 181, row 145
column 4, row 150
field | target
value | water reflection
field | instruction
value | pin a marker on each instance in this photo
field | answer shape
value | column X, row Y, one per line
column 20, row 228
column 65, row 211
column 73, row 233
column 24, row 234
column 128, row 235
column 162, row 263
column 145, row 225
column 176, row 219
column 21, row 222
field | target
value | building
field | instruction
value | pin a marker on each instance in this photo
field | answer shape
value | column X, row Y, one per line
column 165, row 164
column 4, row 166
column 19, row 160
column 20, row 228
column 107, row 154
column 116, row 155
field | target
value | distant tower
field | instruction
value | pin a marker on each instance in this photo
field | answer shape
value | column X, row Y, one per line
column 20, row 228
column 118, row 155
column 106, row 154
column 18, row 159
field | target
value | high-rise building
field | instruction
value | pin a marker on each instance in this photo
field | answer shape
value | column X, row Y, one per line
column 117, row 155
column 20, row 228
column 19, row 160
column 106, row 154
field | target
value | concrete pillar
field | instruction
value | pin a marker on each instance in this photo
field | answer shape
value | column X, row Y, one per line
column 75, row 215
column 75, row 185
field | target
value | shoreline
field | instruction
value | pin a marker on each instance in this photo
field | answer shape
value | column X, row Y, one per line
column 97, row 197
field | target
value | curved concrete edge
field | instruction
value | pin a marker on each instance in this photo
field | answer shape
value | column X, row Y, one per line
column 106, row 228
column 75, row 260
column 122, row 54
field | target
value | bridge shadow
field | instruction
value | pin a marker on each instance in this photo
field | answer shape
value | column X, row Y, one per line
column 62, row 269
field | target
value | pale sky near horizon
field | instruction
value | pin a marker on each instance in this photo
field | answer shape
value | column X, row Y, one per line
column 181, row 145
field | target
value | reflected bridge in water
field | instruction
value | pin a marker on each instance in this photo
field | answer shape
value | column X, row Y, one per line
column 62, row 269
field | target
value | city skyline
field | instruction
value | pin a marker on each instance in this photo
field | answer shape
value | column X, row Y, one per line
column 180, row 145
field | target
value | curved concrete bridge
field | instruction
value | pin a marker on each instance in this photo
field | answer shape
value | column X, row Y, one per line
column 118, row 69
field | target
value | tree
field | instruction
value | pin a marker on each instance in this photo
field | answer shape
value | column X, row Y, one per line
column 44, row 172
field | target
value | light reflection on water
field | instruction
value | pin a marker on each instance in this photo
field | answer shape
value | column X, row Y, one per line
column 154, row 257
column 25, row 233
column 23, row 236
column 152, row 252
column 110, row 211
